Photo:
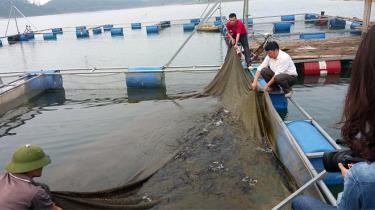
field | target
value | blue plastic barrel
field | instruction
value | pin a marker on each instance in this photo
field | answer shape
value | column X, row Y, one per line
column 218, row 23
column 356, row 28
column 107, row 27
column 152, row 29
column 279, row 101
column 288, row 18
column 281, row 27
column 189, row 26
column 24, row 38
column 337, row 24
column 97, row 30
column 217, row 18
column 355, row 25
column 80, row 28
column 195, row 21
column 250, row 21
column 145, row 79
column 57, row 30
column 82, row 33
column 49, row 36
column 51, row 79
column 224, row 30
column 136, row 26
column 117, row 32
column 310, row 18
column 30, row 35
column 319, row 35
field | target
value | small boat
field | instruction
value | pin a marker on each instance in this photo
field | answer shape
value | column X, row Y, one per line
column 300, row 145
column 208, row 28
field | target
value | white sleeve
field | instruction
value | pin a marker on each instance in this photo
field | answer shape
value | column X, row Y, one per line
column 264, row 64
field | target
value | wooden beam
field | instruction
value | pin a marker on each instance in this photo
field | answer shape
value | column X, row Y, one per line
column 366, row 16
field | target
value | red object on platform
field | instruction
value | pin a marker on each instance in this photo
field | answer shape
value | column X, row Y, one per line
column 321, row 68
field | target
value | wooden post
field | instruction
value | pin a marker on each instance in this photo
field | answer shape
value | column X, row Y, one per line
column 366, row 16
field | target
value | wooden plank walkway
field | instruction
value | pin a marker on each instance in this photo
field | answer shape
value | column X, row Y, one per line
column 338, row 48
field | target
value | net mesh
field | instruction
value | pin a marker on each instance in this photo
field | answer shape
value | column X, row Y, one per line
column 231, row 85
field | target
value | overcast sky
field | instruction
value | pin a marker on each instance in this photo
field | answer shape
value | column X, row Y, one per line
column 41, row 2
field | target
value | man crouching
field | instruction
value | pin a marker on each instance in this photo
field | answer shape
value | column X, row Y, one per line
column 17, row 187
column 277, row 69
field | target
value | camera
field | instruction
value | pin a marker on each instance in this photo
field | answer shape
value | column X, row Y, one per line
column 331, row 159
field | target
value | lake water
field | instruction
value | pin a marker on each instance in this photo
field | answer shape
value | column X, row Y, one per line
column 92, row 119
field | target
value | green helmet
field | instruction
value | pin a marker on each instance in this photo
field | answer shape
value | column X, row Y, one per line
column 27, row 158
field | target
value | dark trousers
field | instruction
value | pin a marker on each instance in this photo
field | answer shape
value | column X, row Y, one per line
column 286, row 81
column 245, row 44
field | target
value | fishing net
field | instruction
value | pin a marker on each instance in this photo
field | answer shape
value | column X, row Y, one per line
column 231, row 85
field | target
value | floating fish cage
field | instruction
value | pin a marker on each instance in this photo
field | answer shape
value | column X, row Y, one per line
column 281, row 27
column 136, row 26
column 154, row 29
column 57, row 30
column 107, row 27
column 84, row 33
column 312, row 36
column 117, row 32
column 97, row 30
column 49, row 36
column 337, row 24
column 188, row 26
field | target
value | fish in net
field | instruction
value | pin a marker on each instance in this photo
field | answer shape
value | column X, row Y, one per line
column 231, row 85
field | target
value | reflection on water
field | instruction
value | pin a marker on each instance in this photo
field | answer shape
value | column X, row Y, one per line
column 136, row 95
column 18, row 117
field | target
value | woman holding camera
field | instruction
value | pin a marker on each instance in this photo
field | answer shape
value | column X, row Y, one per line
column 358, row 132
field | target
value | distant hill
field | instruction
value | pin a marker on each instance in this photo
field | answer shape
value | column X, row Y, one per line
column 70, row 6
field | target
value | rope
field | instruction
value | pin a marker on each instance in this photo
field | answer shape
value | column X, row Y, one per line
column 210, row 12
column 10, row 15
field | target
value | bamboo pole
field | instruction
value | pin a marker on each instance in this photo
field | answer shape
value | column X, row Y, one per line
column 366, row 16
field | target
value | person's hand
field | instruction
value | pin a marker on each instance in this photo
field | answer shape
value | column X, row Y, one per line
column 265, row 88
column 343, row 169
column 233, row 42
column 253, row 85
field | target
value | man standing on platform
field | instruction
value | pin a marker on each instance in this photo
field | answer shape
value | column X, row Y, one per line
column 236, row 32
column 277, row 69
